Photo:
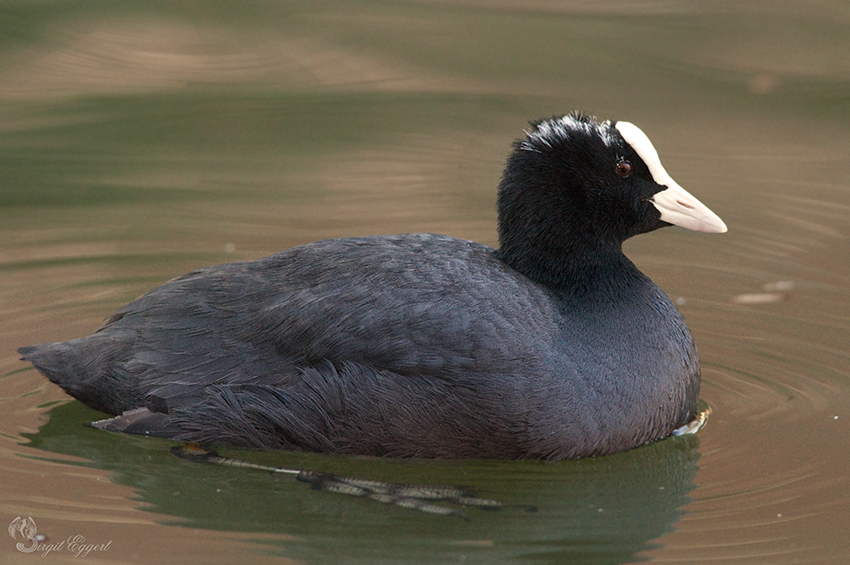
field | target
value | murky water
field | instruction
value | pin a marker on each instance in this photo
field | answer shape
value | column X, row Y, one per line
column 139, row 142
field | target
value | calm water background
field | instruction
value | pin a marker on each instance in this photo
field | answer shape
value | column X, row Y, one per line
column 141, row 140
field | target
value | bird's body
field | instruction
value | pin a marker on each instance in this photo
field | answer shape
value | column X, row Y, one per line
column 553, row 346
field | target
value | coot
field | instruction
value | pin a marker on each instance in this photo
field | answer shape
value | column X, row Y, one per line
column 553, row 346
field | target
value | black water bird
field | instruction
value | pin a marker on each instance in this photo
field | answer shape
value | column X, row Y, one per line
column 553, row 346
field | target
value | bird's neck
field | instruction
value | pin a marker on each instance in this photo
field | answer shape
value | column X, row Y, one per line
column 576, row 269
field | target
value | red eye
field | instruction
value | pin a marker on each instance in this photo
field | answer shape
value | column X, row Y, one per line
column 624, row 168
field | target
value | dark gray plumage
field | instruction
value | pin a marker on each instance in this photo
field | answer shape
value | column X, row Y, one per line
column 418, row 345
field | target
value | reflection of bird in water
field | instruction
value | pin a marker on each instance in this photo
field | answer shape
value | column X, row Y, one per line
column 417, row 497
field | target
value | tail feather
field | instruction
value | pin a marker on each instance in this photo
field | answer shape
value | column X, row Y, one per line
column 86, row 369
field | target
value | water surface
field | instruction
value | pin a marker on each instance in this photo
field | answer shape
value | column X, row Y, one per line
column 140, row 142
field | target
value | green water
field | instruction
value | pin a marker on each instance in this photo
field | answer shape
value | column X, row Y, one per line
column 141, row 140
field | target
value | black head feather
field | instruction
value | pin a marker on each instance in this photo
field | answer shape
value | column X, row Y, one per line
column 564, row 211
